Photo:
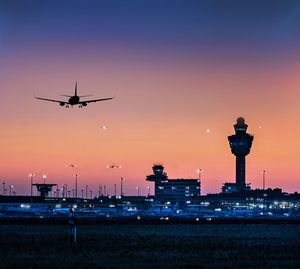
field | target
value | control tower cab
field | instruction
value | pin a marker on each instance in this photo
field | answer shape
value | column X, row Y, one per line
column 158, row 173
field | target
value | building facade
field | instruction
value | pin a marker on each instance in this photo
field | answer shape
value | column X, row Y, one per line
column 173, row 189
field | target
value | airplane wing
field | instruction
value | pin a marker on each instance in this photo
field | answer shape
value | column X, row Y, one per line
column 51, row 100
column 96, row 100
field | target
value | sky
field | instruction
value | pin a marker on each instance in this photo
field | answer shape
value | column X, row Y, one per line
column 181, row 71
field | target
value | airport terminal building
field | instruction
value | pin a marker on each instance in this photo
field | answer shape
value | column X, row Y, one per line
column 173, row 189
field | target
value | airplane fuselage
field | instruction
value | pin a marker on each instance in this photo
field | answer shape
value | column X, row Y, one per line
column 74, row 100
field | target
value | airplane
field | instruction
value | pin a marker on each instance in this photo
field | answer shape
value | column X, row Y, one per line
column 75, row 99
column 114, row 166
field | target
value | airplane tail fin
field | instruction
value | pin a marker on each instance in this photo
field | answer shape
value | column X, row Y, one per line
column 76, row 88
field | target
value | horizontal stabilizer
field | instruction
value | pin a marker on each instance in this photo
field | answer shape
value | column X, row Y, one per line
column 65, row 95
column 85, row 95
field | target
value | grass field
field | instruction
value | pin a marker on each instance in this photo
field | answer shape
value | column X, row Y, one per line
column 151, row 246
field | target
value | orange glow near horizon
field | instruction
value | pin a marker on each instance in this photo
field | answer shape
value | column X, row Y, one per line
column 159, row 115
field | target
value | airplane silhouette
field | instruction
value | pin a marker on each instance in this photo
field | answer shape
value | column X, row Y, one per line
column 114, row 166
column 75, row 99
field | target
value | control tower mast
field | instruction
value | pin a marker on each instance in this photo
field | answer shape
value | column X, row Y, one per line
column 240, row 145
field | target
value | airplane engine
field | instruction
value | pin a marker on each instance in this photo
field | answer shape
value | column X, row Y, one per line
column 62, row 104
column 84, row 104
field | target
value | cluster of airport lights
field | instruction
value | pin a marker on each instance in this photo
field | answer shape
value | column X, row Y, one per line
column 112, row 166
column 102, row 189
column 10, row 189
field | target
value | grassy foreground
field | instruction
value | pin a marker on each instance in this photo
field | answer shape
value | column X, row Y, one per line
column 151, row 246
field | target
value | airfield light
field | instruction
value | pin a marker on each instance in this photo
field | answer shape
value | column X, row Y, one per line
column 10, row 188
column 73, row 166
column 264, row 178
column 44, row 177
column 31, row 175
column 199, row 170
column 148, row 188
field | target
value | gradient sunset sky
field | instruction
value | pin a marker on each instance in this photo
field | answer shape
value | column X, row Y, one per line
column 177, row 68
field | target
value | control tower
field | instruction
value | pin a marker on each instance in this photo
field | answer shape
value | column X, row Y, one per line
column 240, row 145
column 44, row 189
column 158, row 173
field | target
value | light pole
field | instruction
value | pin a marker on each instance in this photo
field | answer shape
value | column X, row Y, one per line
column 44, row 178
column 104, row 190
column 82, row 193
column 121, row 181
column 31, row 175
column 264, row 178
column 99, row 190
column 199, row 170
column 73, row 166
column 3, row 183
column 76, row 182
column 138, row 191
column 73, row 193
column 86, row 191
column 91, row 194
column 115, row 190
column 10, row 188
column 148, row 190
